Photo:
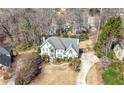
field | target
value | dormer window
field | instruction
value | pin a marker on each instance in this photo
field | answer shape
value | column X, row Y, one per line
column 70, row 52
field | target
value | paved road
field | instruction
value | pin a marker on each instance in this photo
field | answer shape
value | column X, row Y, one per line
column 87, row 61
column 12, row 81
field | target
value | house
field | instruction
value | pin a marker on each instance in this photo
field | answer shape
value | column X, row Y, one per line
column 91, row 21
column 5, row 57
column 57, row 47
column 119, row 50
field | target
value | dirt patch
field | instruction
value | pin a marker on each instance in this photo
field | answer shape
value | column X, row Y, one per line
column 55, row 76
column 94, row 76
column 3, row 82
column 87, row 44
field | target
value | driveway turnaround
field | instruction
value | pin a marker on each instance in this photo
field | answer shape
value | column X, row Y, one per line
column 87, row 61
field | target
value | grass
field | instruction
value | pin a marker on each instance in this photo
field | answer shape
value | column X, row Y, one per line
column 111, row 77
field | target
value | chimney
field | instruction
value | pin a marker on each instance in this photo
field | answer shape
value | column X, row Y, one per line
column 43, row 39
column 77, row 41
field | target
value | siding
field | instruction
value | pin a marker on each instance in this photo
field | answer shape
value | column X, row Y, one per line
column 59, row 53
column 46, row 49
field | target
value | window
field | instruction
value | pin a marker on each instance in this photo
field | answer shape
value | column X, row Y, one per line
column 46, row 49
column 59, row 55
column 52, row 50
column 57, row 50
column 70, row 52
column 43, row 49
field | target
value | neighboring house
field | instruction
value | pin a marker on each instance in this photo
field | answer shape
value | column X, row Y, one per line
column 119, row 50
column 56, row 47
column 91, row 21
column 5, row 58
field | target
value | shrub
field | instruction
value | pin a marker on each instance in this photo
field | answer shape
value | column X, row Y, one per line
column 83, row 37
column 75, row 64
column 6, row 77
column 38, row 50
column 66, row 35
column 24, row 46
column 45, row 58
column 73, row 36
column 66, row 59
column 77, row 60
column 70, row 59
column 111, row 54
column 114, row 75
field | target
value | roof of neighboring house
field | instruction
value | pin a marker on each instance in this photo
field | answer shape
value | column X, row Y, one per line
column 121, row 42
column 5, row 50
column 64, row 43
column 5, row 59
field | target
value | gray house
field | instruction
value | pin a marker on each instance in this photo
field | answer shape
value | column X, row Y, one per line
column 57, row 47
column 5, row 57
column 119, row 50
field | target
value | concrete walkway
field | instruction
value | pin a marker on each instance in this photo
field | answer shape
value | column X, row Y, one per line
column 87, row 61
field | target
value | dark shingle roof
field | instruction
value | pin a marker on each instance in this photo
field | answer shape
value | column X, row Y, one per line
column 5, row 50
column 5, row 57
column 5, row 60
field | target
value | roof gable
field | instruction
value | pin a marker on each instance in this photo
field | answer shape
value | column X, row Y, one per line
column 71, row 46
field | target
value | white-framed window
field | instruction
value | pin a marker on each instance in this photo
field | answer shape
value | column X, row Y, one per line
column 57, row 50
column 43, row 49
column 46, row 49
column 70, row 52
column 59, row 55
column 52, row 50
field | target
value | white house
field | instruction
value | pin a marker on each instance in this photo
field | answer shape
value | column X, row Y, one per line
column 119, row 50
column 56, row 47
column 91, row 21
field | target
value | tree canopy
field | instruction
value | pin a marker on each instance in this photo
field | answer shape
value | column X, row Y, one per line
column 111, row 31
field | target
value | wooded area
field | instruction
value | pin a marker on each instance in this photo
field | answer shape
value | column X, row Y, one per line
column 27, row 26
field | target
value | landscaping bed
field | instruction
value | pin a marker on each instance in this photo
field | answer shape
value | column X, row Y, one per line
column 74, row 63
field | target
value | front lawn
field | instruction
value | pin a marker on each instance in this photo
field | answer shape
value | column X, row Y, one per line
column 114, row 74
